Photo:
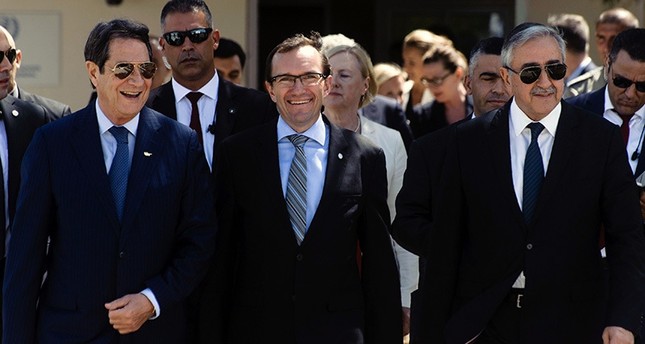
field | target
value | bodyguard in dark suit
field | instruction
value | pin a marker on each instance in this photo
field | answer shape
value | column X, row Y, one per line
column 123, row 194
column 53, row 108
column 513, row 255
column 292, row 215
column 188, row 41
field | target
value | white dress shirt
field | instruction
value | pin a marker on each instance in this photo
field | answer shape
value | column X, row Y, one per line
column 109, row 144
column 207, row 104
column 520, row 138
column 316, row 149
column 636, row 123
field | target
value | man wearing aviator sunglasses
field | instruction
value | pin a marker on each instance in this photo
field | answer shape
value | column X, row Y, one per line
column 196, row 96
column 525, row 191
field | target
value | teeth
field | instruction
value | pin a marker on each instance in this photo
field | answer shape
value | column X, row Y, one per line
column 299, row 102
column 134, row 94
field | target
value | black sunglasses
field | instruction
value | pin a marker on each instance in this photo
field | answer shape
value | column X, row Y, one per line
column 176, row 38
column 622, row 82
column 124, row 69
column 10, row 54
column 529, row 75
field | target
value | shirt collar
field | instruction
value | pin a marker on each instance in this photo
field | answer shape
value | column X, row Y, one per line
column 210, row 89
column 316, row 132
column 609, row 106
column 519, row 120
column 105, row 124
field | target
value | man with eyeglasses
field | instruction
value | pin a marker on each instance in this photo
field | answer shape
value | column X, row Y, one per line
column 295, row 198
column 513, row 255
column 123, row 193
column 196, row 95
column 18, row 122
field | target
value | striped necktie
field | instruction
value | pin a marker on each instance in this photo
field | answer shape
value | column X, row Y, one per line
column 297, row 188
column 533, row 173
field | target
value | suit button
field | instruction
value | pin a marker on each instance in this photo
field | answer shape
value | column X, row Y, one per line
column 299, row 257
column 529, row 246
column 121, row 254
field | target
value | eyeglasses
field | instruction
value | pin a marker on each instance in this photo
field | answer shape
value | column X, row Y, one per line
column 529, row 75
column 124, row 69
column 436, row 82
column 623, row 82
column 176, row 38
column 288, row 80
column 10, row 54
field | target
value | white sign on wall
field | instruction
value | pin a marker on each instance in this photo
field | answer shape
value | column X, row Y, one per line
column 37, row 35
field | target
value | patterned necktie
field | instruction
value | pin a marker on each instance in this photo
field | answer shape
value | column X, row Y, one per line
column 533, row 173
column 120, row 168
column 624, row 127
column 194, row 115
column 297, row 188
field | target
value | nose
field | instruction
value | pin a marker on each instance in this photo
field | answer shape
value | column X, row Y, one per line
column 631, row 91
column 499, row 87
column 544, row 79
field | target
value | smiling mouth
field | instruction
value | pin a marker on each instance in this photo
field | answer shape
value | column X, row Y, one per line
column 130, row 94
column 298, row 102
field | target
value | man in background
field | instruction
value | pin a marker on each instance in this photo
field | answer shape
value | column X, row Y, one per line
column 229, row 61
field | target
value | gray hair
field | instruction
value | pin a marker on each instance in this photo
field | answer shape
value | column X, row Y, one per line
column 520, row 37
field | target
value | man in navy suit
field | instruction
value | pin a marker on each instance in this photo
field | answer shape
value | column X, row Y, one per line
column 122, row 193
column 287, row 271
column 513, row 254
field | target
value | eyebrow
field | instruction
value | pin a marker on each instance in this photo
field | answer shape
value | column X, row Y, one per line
column 490, row 74
column 533, row 64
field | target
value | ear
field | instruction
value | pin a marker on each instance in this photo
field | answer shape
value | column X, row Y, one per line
column 215, row 39
column 366, row 83
column 162, row 43
column 467, row 85
column 269, row 89
column 93, row 72
column 327, row 85
column 506, row 77
column 459, row 73
column 18, row 58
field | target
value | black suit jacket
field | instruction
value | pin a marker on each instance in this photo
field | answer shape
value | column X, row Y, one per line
column 429, row 117
column 480, row 242
column 164, row 241
column 238, row 108
column 55, row 109
column 388, row 112
column 270, row 290
column 595, row 102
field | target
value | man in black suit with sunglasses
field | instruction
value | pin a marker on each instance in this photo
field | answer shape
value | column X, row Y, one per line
column 513, row 256
column 224, row 108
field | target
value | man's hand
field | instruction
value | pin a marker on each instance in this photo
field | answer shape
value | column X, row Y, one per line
column 127, row 314
column 643, row 205
column 406, row 321
column 617, row 335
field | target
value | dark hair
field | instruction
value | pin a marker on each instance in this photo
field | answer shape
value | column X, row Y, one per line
column 449, row 57
column 620, row 16
column 294, row 42
column 574, row 30
column 486, row 46
column 98, row 42
column 632, row 41
column 229, row 48
column 185, row 6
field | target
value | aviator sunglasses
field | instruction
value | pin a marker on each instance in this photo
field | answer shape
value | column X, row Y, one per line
column 123, row 69
column 529, row 75
column 623, row 82
column 10, row 54
column 176, row 38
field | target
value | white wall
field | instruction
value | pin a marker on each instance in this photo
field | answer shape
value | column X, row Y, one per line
column 79, row 17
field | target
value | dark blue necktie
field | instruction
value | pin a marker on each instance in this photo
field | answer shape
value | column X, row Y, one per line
column 120, row 168
column 533, row 173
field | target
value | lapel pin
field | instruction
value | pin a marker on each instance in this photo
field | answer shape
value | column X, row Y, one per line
column 231, row 111
column 340, row 156
column 15, row 113
column 147, row 154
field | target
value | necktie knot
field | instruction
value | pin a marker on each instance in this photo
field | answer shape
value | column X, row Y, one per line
column 298, row 140
column 536, row 129
column 120, row 134
column 194, row 97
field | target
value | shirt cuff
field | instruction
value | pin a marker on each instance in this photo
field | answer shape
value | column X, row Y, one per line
column 151, row 297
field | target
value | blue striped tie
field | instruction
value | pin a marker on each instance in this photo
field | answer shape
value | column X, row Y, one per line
column 297, row 188
column 120, row 168
column 533, row 173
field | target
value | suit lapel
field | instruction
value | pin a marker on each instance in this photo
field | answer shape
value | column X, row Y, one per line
column 499, row 145
column 225, row 112
column 147, row 148
column 563, row 147
column 87, row 147
column 164, row 101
